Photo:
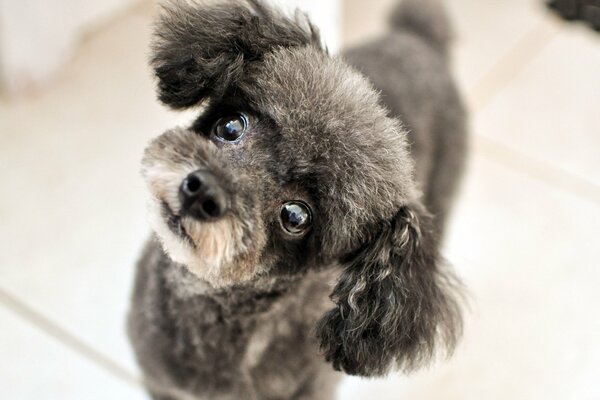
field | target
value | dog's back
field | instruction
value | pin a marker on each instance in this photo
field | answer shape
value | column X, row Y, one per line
column 410, row 67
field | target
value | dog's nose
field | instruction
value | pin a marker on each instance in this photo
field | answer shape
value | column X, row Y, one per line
column 202, row 196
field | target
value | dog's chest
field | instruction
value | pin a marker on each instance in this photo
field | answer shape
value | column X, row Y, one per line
column 216, row 349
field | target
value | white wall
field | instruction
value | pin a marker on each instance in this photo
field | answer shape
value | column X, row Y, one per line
column 38, row 36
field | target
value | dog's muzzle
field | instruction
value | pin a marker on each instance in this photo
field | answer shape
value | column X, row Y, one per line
column 202, row 196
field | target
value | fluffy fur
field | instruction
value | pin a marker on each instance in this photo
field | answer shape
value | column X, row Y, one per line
column 373, row 141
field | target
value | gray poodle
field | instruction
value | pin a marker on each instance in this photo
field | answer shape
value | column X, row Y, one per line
column 297, row 219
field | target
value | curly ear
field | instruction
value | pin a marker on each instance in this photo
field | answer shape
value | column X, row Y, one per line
column 395, row 303
column 201, row 49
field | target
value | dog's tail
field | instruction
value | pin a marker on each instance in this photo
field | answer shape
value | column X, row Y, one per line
column 426, row 18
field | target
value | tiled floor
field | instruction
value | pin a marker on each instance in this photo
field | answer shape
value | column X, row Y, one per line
column 524, row 235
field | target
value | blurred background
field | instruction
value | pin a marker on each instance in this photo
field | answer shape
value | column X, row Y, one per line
column 77, row 107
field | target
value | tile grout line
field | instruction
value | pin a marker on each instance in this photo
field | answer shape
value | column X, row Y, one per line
column 492, row 83
column 68, row 339
column 545, row 172
column 511, row 64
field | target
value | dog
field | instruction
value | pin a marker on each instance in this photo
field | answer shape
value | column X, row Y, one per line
column 297, row 220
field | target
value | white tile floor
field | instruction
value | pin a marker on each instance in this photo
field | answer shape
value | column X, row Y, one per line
column 524, row 235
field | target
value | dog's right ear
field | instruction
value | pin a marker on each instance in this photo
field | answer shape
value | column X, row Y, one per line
column 201, row 49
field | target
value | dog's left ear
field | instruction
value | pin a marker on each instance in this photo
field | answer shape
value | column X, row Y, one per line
column 203, row 48
column 395, row 302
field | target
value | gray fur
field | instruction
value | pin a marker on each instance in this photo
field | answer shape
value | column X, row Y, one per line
column 244, row 310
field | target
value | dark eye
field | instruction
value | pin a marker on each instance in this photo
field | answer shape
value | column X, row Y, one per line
column 231, row 128
column 295, row 217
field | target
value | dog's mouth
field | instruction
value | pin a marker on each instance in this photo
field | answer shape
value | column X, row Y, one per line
column 174, row 223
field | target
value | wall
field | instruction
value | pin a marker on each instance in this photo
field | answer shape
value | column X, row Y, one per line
column 38, row 36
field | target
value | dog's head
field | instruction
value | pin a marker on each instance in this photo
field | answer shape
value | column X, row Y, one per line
column 293, row 164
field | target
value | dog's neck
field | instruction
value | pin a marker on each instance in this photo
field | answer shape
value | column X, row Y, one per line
column 245, row 299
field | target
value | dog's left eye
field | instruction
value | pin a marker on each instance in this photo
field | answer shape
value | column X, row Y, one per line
column 231, row 128
column 295, row 217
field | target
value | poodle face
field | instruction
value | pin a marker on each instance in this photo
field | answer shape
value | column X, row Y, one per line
column 293, row 164
column 295, row 156
column 307, row 140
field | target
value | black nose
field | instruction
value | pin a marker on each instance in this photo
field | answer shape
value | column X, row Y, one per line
column 202, row 196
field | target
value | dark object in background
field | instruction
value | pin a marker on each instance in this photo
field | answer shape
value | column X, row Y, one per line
column 578, row 10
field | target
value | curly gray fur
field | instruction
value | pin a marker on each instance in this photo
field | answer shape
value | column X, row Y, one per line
column 373, row 140
column 193, row 63
column 392, row 292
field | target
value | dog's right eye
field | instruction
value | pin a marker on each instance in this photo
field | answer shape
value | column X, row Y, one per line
column 230, row 128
